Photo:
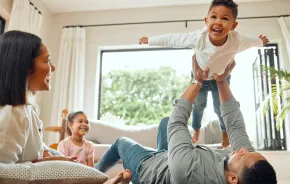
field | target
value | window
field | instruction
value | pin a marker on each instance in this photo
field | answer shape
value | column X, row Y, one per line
column 268, row 137
column 139, row 86
column 168, row 72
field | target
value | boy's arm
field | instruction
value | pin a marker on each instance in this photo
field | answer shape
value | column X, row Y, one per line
column 247, row 41
column 172, row 40
column 233, row 118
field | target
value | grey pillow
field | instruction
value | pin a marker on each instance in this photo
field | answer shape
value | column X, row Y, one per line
column 50, row 172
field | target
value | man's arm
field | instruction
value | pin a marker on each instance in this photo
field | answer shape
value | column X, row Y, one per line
column 233, row 118
column 181, row 154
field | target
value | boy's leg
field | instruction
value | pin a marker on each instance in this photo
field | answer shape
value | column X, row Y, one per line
column 130, row 152
column 216, row 104
column 162, row 141
column 197, row 113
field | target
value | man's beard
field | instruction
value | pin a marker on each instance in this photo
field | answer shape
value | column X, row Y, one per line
column 226, row 163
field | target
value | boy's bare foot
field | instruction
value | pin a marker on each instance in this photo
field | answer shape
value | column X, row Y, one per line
column 226, row 141
column 195, row 136
column 122, row 178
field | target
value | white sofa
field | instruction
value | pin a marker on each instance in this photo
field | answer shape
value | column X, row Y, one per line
column 103, row 134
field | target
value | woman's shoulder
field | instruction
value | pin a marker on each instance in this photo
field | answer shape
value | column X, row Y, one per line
column 18, row 111
column 16, row 116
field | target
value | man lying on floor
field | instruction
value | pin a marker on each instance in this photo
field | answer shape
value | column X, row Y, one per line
column 178, row 161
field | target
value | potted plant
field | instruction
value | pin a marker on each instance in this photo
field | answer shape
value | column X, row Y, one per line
column 279, row 98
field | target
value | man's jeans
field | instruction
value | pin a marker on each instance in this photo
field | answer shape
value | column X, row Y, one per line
column 132, row 153
column 201, row 102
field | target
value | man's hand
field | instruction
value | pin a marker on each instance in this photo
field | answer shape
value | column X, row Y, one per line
column 264, row 39
column 199, row 74
column 143, row 40
column 227, row 72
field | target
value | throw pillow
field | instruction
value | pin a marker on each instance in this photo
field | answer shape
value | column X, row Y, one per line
column 50, row 172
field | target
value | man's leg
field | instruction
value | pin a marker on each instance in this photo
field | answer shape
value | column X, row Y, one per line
column 162, row 141
column 130, row 152
column 197, row 113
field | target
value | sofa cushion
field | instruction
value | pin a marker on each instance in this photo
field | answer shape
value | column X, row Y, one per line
column 50, row 172
column 107, row 133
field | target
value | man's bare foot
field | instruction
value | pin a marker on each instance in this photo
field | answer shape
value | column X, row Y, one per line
column 195, row 136
column 122, row 178
column 226, row 141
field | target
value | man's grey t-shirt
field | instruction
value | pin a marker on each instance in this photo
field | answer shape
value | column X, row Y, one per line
column 185, row 163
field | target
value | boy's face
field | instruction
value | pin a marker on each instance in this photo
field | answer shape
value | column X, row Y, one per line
column 220, row 21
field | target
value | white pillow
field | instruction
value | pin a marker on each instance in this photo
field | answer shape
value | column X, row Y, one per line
column 103, row 132
column 50, row 172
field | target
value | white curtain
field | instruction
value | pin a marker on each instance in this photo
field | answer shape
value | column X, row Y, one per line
column 25, row 17
column 70, row 75
column 285, row 28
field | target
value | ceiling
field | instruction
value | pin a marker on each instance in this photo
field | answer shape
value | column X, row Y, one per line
column 60, row 6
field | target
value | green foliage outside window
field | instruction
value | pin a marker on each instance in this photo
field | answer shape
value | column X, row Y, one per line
column 141, row 96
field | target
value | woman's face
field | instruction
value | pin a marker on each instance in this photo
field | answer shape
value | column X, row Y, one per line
column 39, row 76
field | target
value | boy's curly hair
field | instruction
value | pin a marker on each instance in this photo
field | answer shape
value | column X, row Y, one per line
column 227, row 3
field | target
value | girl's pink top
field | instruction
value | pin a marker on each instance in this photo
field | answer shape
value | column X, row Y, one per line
column 84, row 152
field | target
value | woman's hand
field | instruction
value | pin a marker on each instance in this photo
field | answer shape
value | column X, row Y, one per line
column 58, row 157
column 65, row 158
column 227, row 72
column 198, row 73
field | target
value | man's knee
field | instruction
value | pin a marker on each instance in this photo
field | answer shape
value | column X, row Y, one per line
column 163, row 123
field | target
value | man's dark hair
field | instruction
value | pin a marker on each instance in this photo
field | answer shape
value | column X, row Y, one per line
column 70, row 119
column 17, row 53
column 261, row 172
column 227, row 3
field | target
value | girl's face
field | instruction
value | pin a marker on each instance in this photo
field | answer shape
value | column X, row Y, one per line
column 80, row 125
column 39, row 76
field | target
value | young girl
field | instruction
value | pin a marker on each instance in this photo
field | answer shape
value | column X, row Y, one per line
column 76, row 144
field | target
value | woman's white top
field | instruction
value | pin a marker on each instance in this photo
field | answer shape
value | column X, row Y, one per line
column 20, row 134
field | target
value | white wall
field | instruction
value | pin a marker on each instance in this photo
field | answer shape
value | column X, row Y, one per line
column 128, row 35
column 5, row 9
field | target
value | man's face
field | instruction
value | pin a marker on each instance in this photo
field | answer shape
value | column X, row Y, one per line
column 242, row 158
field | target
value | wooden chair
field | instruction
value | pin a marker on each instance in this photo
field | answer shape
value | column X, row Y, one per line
column 59, row 129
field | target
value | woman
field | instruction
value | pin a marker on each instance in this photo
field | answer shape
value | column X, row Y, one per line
column 25, row 68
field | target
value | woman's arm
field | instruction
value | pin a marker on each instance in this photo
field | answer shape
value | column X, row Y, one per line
column 63, row 158
column 13, row 133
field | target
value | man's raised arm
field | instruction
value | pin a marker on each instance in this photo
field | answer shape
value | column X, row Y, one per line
column 233, row 118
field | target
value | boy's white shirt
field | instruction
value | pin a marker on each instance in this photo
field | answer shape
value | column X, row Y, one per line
column 208, row 55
